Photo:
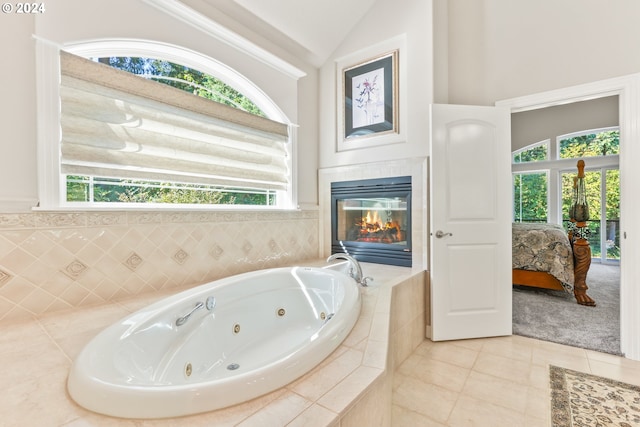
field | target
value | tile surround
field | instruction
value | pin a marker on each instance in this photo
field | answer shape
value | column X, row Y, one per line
column 51, row 261
column 415, row 167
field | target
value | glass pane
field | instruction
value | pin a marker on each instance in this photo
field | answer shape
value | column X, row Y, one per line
column 567, row 195
column 184, row 78
column 534, row 154
column 115, row 190
column 592, row 183
column 78, row 189
column 612, row 238
column 374, row 220
column 530, row 197
column 590, row 145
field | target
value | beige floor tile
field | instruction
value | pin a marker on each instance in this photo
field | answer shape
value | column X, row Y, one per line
column 429, row 400
column 478, row 413
column 510, row 347
column 538, row 404
column 508, row 384
column 544, row 356
column 471, row 344
column 539, row 377
column 434, row 371
column 625, row 373
column 498, row 391
column 454, row 354
column 405, row 418
column 503, row 367
column 537, row 422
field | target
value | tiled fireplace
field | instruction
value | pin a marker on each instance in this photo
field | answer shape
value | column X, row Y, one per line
column 401, row 222
column 371, row 220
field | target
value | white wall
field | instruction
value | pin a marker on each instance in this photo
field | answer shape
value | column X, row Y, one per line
column 386, row 20
column 18, row 179
column 529, row 127
column 501, row 49
column 77, row 20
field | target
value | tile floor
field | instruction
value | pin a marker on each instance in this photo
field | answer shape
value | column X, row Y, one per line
column 492, row 382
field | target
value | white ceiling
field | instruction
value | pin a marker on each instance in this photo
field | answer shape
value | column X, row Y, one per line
column 317, row 27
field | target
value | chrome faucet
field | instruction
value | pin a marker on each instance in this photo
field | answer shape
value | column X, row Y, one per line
column 210, row 304
column 355, row 271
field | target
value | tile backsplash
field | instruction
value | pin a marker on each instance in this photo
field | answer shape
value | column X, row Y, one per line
column 51, row 261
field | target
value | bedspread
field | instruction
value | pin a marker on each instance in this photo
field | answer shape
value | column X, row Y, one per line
column 543, row 247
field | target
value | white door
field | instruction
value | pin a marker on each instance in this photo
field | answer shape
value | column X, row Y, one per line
column 470, row 222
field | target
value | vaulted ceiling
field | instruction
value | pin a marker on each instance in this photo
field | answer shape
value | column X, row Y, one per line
column 309, row 29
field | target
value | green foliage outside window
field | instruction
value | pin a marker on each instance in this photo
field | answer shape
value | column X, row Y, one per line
column 186, row 79
column 105, row 190
column 590, row 145
column 534, row 154
column 530, row 197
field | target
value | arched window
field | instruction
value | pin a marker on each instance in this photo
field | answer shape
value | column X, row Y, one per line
column 130, row 141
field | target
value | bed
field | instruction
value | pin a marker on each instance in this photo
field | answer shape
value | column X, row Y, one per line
column 544, row 256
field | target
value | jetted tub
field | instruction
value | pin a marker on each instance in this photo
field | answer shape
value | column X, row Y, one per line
column 239, row 337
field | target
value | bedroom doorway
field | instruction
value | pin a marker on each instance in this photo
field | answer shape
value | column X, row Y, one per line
column 627, row 90
column 552, row 165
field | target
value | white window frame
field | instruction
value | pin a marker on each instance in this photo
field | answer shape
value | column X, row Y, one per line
column 51, row 186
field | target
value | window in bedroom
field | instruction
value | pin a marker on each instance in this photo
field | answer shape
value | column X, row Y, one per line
column 532, row 153
column 542, row 187
column 601, row 142
column 530, row 197
column 603, row 198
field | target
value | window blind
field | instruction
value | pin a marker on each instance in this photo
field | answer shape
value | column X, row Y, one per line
column 118, row 125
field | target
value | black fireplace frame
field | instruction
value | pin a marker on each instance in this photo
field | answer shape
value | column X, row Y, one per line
column 380, row 253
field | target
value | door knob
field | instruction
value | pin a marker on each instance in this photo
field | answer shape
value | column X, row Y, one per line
column 440, row 234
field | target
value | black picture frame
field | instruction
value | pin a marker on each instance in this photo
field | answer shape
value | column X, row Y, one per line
column 370, row 92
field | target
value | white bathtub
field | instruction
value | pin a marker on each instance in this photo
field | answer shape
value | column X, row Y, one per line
column 267, row 328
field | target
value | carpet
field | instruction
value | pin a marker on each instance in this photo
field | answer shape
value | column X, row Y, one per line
column 555, row 316
column 585, row 400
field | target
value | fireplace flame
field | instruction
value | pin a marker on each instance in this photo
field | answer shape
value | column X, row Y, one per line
column 373, row 228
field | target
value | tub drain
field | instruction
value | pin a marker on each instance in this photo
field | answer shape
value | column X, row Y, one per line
column 233, row 366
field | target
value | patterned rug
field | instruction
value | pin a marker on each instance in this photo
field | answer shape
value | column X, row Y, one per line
column 579, row 399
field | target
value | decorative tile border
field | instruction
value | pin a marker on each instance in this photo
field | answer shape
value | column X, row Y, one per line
column 47, row 220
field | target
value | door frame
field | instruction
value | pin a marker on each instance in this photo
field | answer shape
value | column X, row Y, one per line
column 627, row 88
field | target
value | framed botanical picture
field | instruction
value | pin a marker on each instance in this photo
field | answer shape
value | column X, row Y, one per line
column 370, row 97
